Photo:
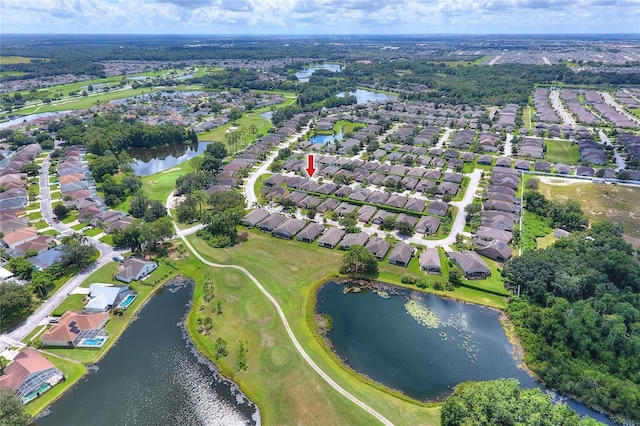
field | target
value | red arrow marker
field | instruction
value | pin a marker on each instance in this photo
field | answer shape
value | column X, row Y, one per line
column 311, row 168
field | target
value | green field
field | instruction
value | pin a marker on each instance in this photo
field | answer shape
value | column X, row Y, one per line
column 12, row 73
column 617, row 203
column 73, row 371
column 559, row 151
column 527, row 113
column 160, row 185
column 12, row 60
column 278, row 380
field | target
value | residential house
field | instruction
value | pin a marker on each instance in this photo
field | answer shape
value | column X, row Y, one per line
column 134, row 269
column 20, row 236
column 310, row 232
column 349, row 240
column 73, row 327
column 254, row 218
column 471, row 264
column 438, row 208
column 29, row 375
column 289, row 228
column 401, row 254
column 428, row 225
column 378, row 247
column 331, row 238
column 495, row 249
column 106, row 296
column 430, row 261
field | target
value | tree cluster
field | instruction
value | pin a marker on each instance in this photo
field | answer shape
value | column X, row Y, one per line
column 567, row 215
column 503, row 402
column 580, row 318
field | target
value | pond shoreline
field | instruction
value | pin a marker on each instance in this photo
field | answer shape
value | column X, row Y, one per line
column 376, row 286
column 172, row 284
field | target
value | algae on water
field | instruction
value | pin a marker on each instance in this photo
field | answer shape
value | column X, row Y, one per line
column 422, row 314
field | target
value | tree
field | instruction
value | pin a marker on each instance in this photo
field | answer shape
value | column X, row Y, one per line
column 404, row 228
column 232, row 140
column 31, row 169
column 21, row 267
column 358, row 261
column 503, row 402
column 532, row 184
column 234, row 114
column 61, row 211
column 623, row 175
column 12, row 410
column 216, row 150
column 42, row 282
column 15, row 302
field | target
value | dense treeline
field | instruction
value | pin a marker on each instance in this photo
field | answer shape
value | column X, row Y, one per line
column 111, row 132
column 38, row 68
column 580, row 320
column 503, row 402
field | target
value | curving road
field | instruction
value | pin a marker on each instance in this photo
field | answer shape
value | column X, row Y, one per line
column 182, row 235
column 106, row 254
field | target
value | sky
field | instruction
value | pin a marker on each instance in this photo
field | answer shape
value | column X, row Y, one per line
column 243, row 17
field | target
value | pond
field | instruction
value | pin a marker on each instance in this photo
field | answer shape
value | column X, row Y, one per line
column 148, row 161
column 304, row 74
column 154, row 376
column 321, row 139
column 420, row 344
column 31, row 117
column 364, row 96
column 267, row 115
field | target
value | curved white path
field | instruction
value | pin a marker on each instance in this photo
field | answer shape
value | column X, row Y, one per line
column 294, row 340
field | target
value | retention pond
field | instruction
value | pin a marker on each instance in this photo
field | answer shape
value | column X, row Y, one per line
column 420, row 344
column 154, row 376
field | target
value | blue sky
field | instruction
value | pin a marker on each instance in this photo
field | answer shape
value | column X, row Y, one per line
column 319, row 16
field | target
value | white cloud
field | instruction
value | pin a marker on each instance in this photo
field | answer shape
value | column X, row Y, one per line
column 319, row 16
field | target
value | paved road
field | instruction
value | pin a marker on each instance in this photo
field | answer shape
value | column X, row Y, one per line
column 508, row 146
column 612, row 102
column 619, row 160
column 445, row 137
column 248, row 190
column 293, row 338
column 106, row 254
column 554, row 95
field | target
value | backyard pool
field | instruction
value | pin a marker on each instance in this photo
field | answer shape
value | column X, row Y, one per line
column 96, row 342
column 126, row 302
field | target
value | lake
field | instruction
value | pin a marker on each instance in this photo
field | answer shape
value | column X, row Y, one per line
column 31, row 117
column 424, row 354
column 364, row 96
column 154, row 376
column 148, row 161
column 268, row 115
column 304, row 74
column 326, row 138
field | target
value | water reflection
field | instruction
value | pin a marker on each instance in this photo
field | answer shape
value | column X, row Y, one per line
column 153, row 377
column 148, row 161
column 304, row 74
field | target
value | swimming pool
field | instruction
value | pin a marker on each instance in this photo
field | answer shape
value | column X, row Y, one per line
column 126, row 302
column 93, row 343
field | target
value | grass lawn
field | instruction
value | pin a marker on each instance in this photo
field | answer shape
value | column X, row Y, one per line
column 73, row 302
column 260, row 184
column 117, row 324
column 72, row 216
column 36, row 331
column 160, row 185
column 290, row 270
column 12, row 60
column 526, row 117
column 33, row 205
column 72, row 371
column 107, row 239
column 41, row 224
column 533, row 228
column 78, row 226
column 564, row 152
column 617, row 203
column 93, row 232
column 277, row 379
column 51, row 232
column 546, row 241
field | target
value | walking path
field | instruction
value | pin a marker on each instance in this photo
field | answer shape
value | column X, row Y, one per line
column 287, row 327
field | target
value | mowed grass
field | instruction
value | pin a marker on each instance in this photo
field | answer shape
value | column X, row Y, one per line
column 72, row 371
column 158, row 186
column 559, row 151
column 12, row 60
column 617, row 203
column 286, row 389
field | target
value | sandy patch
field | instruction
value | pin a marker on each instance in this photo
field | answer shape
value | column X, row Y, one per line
column 560, row 181
column 232, row 129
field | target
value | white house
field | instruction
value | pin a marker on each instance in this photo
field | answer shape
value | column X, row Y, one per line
column 134, row 269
